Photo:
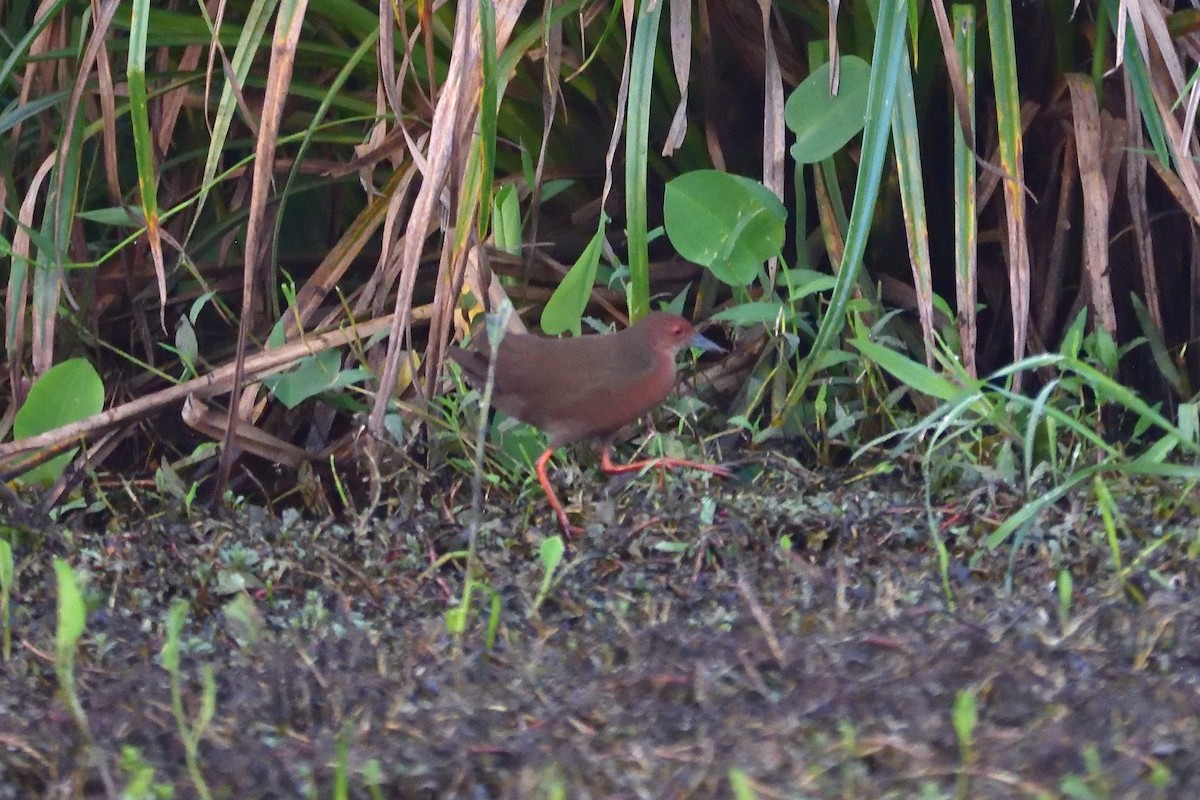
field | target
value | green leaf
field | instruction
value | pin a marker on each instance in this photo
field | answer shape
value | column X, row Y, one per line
column 566, row 306
column 728, row 223
column 886, row 59
column 186, row 344
column 517, row 445
column 803, row 282
column 71, row 614
column 740, row 785
column 823, row 124
column 313, row 375
column 637, row 154
column 169, row 655
column 456, row 620
column 551, row 553
column 488, row 105
column 116, row 217
column 913, row 374
column 143, row 143
column 763, row 312
column 1158, row 346
column 6, row 565
column 506, row 220
column 966, row 715
column 67, row 393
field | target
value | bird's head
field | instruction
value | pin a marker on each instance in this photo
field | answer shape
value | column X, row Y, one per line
column 670, row 333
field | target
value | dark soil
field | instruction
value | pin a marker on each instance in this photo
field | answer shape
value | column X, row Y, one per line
column 671, row 657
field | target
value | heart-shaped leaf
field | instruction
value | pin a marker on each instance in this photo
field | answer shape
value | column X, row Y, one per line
column 824, row 124
column 728, row 223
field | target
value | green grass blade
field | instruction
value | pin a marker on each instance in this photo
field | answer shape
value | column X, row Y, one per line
column 143, row 142
column 637, row 134
column 1008, row 121
column 1034, row 507
column 905, row 132
column 21, row 49
column 1139, row 79
column 489, row 103
column 966, row 212
column 911, row 373
column 258, row 17
column 885, row 66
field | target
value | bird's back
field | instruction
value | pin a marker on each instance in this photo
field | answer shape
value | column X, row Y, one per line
column 574, row 388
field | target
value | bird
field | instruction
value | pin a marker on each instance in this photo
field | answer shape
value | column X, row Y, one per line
column 587, row 387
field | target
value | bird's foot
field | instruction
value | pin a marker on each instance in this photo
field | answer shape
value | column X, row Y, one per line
column 569, row 531
column 664, row 462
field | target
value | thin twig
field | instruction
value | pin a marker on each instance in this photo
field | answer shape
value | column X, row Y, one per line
column 764, row 622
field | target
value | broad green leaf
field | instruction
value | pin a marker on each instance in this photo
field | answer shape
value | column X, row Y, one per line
column 67, row 393
column 823, row 124
column 313, row 375
column 728, row 223
column 517, row 445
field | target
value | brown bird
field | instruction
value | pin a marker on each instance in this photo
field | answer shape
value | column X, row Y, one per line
column 587, row 386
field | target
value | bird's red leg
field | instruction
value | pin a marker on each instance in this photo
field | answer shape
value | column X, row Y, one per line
column 609, row 467
column 568, row 529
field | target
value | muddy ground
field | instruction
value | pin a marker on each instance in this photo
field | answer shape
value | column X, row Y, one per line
column 783, row 636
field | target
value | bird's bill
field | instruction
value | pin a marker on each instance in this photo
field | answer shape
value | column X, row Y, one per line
column 704, row 343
